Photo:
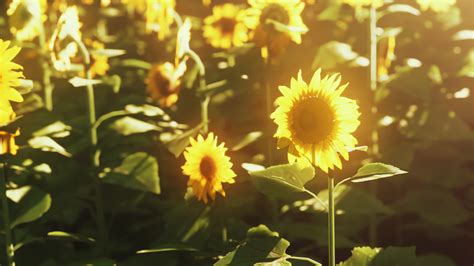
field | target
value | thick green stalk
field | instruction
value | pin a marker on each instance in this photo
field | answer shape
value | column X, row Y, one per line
column 9, row 250
column 268, row 107
column 374, row 151
column 331, row 224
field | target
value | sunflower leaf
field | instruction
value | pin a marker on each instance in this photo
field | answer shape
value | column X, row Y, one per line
column 283, row 180
column 373, row 171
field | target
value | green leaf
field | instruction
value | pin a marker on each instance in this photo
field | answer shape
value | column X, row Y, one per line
column 81, row 82
column 71, row 237
column 138, row 171
column 434, row 260
column 32, row 204
column 333, row 54
column 283, row 180
column 361, row 256
column 436, row 206
column 414, row 82
column 261, row 247
column 47, row 144
column 56, row 130
column 177, row 144
column 395, row 256
column 128, row 126
column 136, row 63
column 402, row 8
column 247, row 140
column 374, row 171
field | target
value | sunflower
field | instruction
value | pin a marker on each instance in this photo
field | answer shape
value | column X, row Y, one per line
column 315, row 121
column 363, row 3
column 207, row 167
column 385, row 55
column 7, row 142
column 99, row 63
column 10, row 76
column 26, row 18
column 438, row 6
column 164, row 82
column 159, row 16
column 225, row 28
column 63, row 46
column 275, row 23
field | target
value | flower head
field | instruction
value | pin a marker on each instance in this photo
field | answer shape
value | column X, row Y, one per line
column 164, row 82
column 207, row 167
column 275, row 22
column 10, row 76
column 225, row 28
column 99, row 63
column 436, row 5
column 7, row 142
column 385, row 55
column 159, row 16
column 315, row 121
column 26, row 18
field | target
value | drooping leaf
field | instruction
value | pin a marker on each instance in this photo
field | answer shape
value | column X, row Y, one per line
column 283, row 180
column 57, row 129
column 138, row 171
column 71, row 237
column 30, row 207
column 374, row 171
column 333, row 54
column 248, row 139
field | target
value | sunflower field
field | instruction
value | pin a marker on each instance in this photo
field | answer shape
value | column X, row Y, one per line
column 244, row 132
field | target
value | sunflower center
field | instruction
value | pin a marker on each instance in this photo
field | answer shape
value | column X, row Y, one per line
column 311, row 120
column 207, row 167
column 275, row 12
column 227, row 25
column 163, row 84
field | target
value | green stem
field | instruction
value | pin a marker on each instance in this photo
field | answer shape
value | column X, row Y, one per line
column 205, row 113
column 47, row 85
column 374, row 151
column 268, row 107
column 10, row 252
column 101, row 221
column 331, row 224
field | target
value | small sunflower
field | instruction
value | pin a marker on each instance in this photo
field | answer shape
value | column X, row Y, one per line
column 99, row 63
column 164, row 82
column 7, row 142
column 225, row 28
column 363, row 3
column 266, row 19
column 10, row 76
column 159, row 16
column 136, row 6
column 26, row 18
column 385, row 55
column 438, row 6
column 315, row 121
column 207, row 167
column 62, row 45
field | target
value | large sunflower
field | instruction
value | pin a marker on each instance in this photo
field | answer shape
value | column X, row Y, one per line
column 268, row 17
column 315, row 121
column 10, row 76
column 225, row 28
column 26, row 18
column 207, row 167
